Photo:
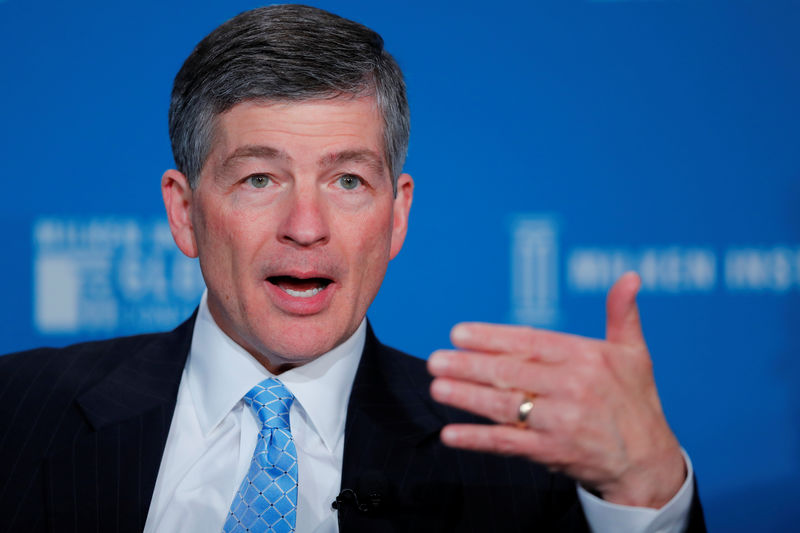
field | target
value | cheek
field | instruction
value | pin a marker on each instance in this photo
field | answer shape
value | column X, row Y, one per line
column 374, row 249
column 219, row 240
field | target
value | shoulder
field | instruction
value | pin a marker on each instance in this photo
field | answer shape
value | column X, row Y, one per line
column 412, row 368
column 72, row 369
column 384, row 366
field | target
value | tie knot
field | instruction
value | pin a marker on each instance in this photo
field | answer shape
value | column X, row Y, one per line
column 270, row 400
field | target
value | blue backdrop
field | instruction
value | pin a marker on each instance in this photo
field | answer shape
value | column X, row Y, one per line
column 554, row 145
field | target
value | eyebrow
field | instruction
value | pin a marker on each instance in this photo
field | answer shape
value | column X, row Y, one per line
column 370, row 158
column 255, row 151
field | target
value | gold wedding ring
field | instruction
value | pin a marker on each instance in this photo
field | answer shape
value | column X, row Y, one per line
column 524, row 410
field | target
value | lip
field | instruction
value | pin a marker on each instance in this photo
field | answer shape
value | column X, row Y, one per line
column 299, row 306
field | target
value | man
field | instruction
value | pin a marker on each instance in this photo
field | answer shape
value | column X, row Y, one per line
column 289, row 127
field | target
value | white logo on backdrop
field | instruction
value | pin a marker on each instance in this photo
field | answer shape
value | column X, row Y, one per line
column 536, row 269
column 110, row 275
column 662, row 268
column 770, row 268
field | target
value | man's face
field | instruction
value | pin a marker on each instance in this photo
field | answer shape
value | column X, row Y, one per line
column 294, row 221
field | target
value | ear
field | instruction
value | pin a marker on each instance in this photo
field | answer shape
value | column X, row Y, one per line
column 402, row 206
column 178, row 202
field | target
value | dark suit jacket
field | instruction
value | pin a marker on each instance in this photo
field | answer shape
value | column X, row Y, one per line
column 83, row 429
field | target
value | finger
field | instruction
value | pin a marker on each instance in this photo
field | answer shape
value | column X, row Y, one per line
column 504, row 440
column 500, row 371
column 623, row 325
column 498, row 405
column 494, row 338
column 502, row 406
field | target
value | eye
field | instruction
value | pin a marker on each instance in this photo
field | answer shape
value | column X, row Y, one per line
column 349, row 182
column 259, row 181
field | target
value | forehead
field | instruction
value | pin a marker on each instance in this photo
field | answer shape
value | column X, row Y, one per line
column 297, row 127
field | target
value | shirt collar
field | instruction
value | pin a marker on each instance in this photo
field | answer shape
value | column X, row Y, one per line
column 220, row 372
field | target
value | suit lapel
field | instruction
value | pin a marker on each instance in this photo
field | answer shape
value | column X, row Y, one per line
column 104, row 480
column 392, row 446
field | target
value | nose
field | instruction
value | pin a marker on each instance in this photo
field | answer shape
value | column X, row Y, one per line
column 305, row 222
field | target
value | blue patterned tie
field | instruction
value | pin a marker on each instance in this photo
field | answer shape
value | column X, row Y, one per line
column 266, row 502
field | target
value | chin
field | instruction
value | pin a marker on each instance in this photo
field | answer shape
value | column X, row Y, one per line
column 298, row 349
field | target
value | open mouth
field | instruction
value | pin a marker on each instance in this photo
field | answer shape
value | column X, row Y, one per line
column 299, row 287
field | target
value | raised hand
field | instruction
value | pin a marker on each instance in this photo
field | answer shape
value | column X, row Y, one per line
column 596, row 414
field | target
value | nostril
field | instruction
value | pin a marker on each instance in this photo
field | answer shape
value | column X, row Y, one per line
column 304, row 239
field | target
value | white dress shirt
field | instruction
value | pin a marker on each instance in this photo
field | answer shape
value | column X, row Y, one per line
column 213, row 435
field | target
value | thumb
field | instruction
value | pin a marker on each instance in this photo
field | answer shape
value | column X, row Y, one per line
column 622, row 314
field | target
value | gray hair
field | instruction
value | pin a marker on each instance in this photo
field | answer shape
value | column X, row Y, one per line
column 283, row 53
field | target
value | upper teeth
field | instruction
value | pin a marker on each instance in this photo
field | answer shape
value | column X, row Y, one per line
column 303, row 294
